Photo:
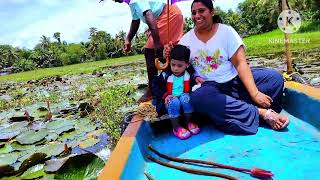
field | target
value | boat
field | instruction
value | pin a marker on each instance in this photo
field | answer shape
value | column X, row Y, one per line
column 292, row 153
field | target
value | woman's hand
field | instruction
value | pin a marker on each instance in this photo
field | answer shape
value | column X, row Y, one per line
column 262, row 100
column 127, row 46
column 168, row 98
column 199, row 80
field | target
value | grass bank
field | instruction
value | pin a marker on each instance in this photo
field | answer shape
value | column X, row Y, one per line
column 88, row 67
column 273, row 42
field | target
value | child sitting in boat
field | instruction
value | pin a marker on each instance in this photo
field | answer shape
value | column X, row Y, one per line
column 171, row 93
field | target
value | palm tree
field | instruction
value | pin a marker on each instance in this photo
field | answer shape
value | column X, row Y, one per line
column 93, row 32
column 1, row 58
column 56, row 35
column 11, row 56
column 44, row 42
column 93, row 46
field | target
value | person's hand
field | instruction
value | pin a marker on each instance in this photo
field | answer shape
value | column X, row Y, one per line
column 167, row 50
column 262, row 100
column 168, row 98
column 199, row 80
column 127, row 46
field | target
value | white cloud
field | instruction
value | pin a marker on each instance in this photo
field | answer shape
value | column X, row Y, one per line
column 75, row 19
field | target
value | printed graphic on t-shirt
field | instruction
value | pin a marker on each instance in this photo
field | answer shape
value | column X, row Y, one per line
column 207, row 63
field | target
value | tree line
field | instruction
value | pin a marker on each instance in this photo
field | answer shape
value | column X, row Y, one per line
column 251, row 17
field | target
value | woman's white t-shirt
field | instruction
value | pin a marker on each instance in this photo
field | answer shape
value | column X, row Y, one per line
column 211, row 60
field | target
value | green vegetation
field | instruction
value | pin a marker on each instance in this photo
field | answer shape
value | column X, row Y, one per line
column 47, row 53
column 109, row 111
column 68, row 70
column 273, row 42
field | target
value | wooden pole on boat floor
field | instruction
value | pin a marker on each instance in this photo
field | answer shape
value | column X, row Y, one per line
column 286, row 41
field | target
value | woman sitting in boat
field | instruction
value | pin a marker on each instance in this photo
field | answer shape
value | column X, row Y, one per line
column 232, row 95
column 171, row 89
column 154, row 14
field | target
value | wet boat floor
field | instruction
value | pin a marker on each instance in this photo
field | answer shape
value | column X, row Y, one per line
column 293, row 153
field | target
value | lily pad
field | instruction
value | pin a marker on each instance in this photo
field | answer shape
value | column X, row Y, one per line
column 12, row 130
column 37, row 125
column 94, row 168
column 57, row 124
column 27, row 153
column 82, row 122
column 31, row 137
column 6, row 149
column 52, row 149
column 88, row 142
column 48, row 177
column 103, row 141
column 34, row 159
column 68, row 136
column 19, row 147
column 34, row 172
column 64, row 129
column 53, row 165
column 52, row 136
column 96, row 133
column 86, row 166
column 8, row 159
column 86, row 127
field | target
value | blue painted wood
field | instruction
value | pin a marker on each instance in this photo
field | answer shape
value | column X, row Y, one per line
column 290, row 154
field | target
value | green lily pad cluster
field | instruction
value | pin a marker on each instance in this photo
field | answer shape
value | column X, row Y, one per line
column 31, row 153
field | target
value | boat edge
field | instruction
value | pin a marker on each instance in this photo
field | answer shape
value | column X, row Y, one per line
column 121, row 153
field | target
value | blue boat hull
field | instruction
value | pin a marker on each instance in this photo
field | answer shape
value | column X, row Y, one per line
column 290, row 154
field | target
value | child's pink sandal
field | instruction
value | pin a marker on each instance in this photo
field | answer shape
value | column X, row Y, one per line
column 193, row 128
column 181, row 133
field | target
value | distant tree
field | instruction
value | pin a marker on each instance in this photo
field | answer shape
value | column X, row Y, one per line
column 56, row 35
column 11, row 56
column 139, row 42
column 44, row 42
column 188, row 24
column 93, row 32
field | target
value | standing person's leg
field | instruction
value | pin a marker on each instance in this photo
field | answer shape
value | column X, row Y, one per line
column 185, row 101
column 151, row 70
column 173, row 108
column 227, row 113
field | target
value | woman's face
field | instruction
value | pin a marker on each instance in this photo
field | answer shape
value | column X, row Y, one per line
column 201, row 15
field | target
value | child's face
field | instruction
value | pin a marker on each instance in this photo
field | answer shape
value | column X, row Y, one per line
column 178, row 67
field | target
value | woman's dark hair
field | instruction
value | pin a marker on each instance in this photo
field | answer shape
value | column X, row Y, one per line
column 209, row 5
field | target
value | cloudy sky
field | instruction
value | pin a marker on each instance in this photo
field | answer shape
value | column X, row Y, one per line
column 24, row 21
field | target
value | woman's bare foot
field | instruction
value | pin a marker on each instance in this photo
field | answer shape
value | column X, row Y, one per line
column 274, row 119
